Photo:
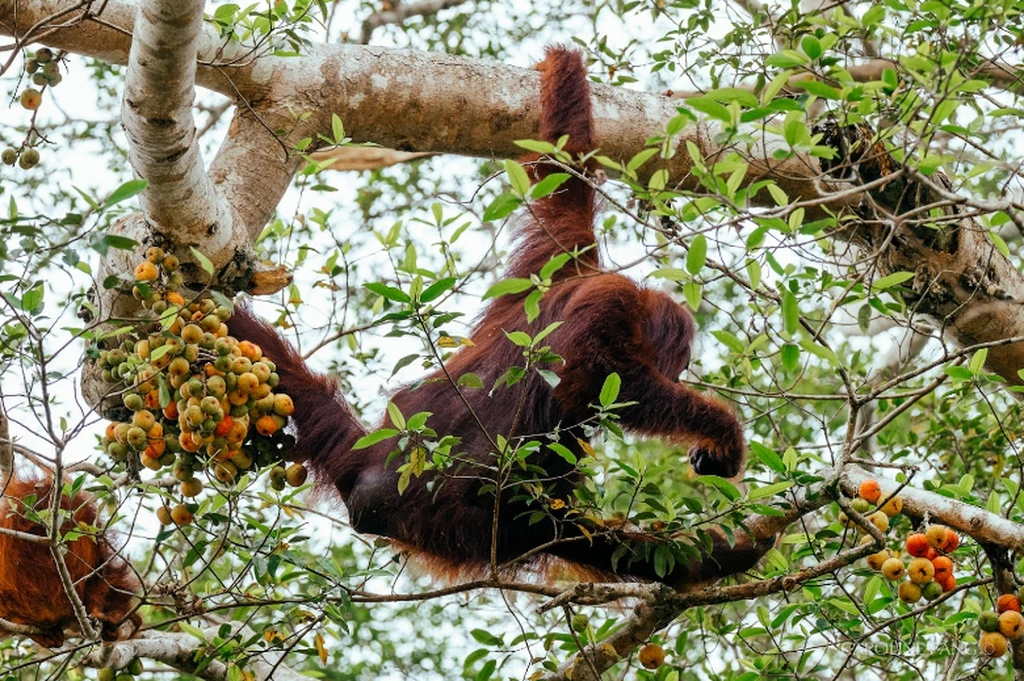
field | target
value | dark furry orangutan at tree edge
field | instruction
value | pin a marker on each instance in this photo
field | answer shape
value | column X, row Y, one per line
column 32, row 592
column 608, row 325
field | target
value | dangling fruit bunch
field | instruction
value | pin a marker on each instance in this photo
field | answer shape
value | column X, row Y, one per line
column 1000, row 627
column 199, row 398
column 44, row 68
column 868, row 496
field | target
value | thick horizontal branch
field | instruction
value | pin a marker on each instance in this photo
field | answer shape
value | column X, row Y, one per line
column 183, row 652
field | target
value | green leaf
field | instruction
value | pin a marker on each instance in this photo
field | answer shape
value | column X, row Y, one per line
column 768, row 457
column 501, row 207
column 373, row 438
column 203, row 261
column 507, row 286
column 437, row 288
column 486, row 637
column 769, row 490
column 521, row 339
column 32, row 301
column 395, row 414
column 710, row 107
column 517, row 177
column 697, row 255
column 640, row 159
column 780, row 197
column 544, row 333
column 693, row 292
column 563, row 452
column 977, row 362
column 389, row 292
column 754, row 273
column 550, row 377
column 610, row 389
column 891, row 280
column 337, row 129
column 531, row 305
column 729, row 340
column 470, row 380
column 548, row 185
column 556, row 263
column 811, row 46
column 790, row 312
column 125, row 191
column 722, row 485
column 787, row 59
column 671, row 273
column 790, row 357
column 536, row 146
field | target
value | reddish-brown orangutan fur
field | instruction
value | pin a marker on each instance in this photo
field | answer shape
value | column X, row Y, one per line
column 609, row 324
column 31, row 591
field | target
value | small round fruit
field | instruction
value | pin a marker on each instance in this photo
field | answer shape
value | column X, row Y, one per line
column 951, row 543
column 948, row 583
column 106, row 674
column 191, row 333
column 278, row 478
column 181, row 515
column 932, row 590
column 921, row 571
column 191, row 488
column 146, row 271
column 879, row 520
column 869, row 490
column 1007, row 602
column 225, row 471
column 860, row 505
column 917, row 545
column 1011, row 624
column 909, row 592
column 993, row 644
column 893, row 569
column 936, row 535
column 163, row 514
column 296, row 475
column 134, row 667
column 579, row 622
column 265, row 425
column 988, row 621
column 44, row 55
column 943, row 568
column 9, row 156
column 137, row 438
column 283, row 405
column 893, row 507
column 144, row 419
column 876, row 560
column 28, row 159
column 651, row 656
column 134, row 401
column 31, row 98
column 31, row 65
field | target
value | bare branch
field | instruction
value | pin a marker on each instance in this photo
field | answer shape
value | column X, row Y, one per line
column 401, row 12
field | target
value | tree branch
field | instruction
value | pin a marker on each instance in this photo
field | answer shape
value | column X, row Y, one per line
column 402, row 12
column 182, row 651
column 157, row 116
